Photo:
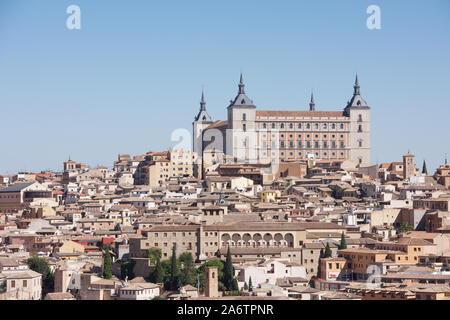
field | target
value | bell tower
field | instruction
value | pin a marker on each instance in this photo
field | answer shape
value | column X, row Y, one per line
column 409, row 167
column 211, row 282
column 201, row 122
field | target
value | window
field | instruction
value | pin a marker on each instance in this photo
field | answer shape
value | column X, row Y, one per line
column 244, row 127
column 25, row 283
column 244, row 117
column 299, row 125
column 360, row 128
column 273, row 125
column 282, row 126
column 360, row 143
column 264, row 125
column 342, row 126
column 291, row 126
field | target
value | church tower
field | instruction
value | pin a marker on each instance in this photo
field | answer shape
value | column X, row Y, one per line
column 201, row 122
column 211, row 282
column 241, row 139
column 359, row 113
column 409, row 167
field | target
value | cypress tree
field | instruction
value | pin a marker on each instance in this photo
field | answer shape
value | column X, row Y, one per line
column 250, row 284
column 328, row 253
column 158, row 273
column 234, row 285
column 424, row 168
column 228, row 271
column 174, row 270
column 245, row 286
column 343, row 241
column 107, row 264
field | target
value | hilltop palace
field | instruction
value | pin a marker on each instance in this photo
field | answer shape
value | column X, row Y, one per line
column 256, row 136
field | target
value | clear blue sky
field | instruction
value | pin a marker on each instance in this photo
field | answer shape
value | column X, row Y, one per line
column 135, row 71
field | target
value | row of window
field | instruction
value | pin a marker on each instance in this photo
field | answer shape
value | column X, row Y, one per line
column 307, row 126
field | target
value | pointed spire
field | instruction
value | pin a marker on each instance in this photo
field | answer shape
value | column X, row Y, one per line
column 356, row 86
column 312, row 105
column 241, row 85
column 203, row 102
column 445, row 158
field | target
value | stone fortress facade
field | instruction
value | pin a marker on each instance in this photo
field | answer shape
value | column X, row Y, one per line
column 255, row 136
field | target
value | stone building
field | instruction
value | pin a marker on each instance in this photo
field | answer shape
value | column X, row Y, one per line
column 253, row 136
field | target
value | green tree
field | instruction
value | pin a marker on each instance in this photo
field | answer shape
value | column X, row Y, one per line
column 250, row 284
column 154, row 254
column 343, row 242
column 234, row 285
column 174, row 281
column 245, row 286
column 40, row 265
column 159, row 273
column 127, row 269
column 228, row 271
column 107, row 264
column 188, row 272
column 405, row 227
column 424, row 168
column 328, row 252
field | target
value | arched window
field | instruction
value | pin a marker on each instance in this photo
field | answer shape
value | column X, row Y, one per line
column 282, row 126
column 244, row 117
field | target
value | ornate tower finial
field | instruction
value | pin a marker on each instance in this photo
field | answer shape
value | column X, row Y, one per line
column 241, row 85
column 203, row 102
column 357, row 92
column 312, row 105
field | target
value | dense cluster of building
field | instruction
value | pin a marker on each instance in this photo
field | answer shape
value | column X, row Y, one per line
column 333, row 230
column 317, row 223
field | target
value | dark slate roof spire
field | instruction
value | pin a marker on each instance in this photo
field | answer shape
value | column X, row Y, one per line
column 203, row 102
column 241, row 99
column 357, row 92
column 357, row 101
column 312, row 105
column 241, row 85
column 203, row 116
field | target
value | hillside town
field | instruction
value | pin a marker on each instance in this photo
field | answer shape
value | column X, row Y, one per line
column 161, row 226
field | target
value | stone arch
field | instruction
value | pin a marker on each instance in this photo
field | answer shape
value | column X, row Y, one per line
column 225, row 239
column 257, row 239
column 236, row 237
column 289, row 239
column 246, row 238
column 268, row 239
column 278, row 238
